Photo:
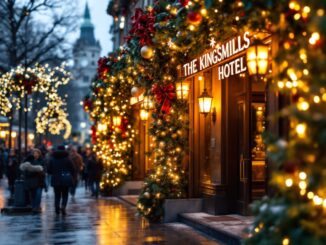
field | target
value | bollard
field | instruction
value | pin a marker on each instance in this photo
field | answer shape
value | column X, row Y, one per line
column 19, row 196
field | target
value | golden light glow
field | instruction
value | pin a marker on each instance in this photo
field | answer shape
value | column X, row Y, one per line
column 143, row 114
column 3, row 134
column 31, row 136
column 286, row 241
column 301, row 130
column 182, row 89
column 205, row 102
column 257, row 58
column 147, row 103
column 116, row 120
column 289, row 182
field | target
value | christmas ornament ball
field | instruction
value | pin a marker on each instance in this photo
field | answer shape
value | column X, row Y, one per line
column 194, row 18
column 146, row 52
column 162, row 144
column 147, row 195
column 135, row 91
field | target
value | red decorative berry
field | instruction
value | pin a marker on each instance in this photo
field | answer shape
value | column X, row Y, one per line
column 184, row 3
column 194, row 18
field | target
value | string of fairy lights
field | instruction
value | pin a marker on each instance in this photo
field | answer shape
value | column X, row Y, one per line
column 110, row 109
column 41, row 79
column 178, row 31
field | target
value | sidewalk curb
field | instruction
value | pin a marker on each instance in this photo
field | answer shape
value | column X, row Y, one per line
column 219, row 235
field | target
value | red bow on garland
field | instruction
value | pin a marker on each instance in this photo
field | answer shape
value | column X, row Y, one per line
column 27, row 83
column 88, row 104
column 164, row 95
column 142, row 26
column 93, row 136
column 103, row 68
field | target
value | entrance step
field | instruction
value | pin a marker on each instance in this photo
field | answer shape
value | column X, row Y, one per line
column 228, row 229
column 130, row 199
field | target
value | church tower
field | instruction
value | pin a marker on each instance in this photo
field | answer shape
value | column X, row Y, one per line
column 86, row 53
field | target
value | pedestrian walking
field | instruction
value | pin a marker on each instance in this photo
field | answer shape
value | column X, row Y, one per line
column 34, row 178
column 95, row 170
column 77, row 161
column 82, row 152
column 2, row 161
column 62, row 173
column 12, row 171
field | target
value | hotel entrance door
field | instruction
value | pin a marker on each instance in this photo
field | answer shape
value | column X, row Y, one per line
column 245, row 157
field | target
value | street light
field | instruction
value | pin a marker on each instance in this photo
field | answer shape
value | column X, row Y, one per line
column 83, row 125
column 257, row 58
column 31, row 136
column 3, row 134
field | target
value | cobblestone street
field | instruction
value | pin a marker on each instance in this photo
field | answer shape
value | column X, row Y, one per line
column 89, row 221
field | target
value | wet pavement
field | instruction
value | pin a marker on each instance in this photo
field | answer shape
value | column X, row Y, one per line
column 108, row 221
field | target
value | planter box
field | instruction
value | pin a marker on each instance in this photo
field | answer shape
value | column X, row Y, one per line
column 129, row 188
column 173, row 207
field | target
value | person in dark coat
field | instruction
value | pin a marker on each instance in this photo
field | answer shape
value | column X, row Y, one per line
column 12, row 171
column 95, row 170
column 62, row 172
column 34, row 176
column 77, row 160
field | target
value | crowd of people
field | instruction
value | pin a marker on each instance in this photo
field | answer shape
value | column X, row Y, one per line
column 62, row 167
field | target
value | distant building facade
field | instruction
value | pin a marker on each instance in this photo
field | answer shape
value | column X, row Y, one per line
column 122, row 11
column 86, row 53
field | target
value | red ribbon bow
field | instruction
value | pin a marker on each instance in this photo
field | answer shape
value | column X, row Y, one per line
column 142, row 26
column 164, row 95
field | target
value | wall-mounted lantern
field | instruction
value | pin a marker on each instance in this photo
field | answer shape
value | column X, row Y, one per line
column 143, row 114
column 147, row 103
column 257, row 58
column 182, row 89
column 116, row 121
column 205, row 102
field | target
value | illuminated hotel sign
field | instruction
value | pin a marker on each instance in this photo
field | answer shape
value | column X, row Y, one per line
column 218, row 55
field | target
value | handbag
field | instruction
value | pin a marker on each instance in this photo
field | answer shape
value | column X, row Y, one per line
column 66, row 179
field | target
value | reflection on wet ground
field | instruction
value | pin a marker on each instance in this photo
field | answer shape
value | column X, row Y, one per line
column 106, row 221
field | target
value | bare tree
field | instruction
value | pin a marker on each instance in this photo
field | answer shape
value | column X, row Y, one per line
column 35, row 31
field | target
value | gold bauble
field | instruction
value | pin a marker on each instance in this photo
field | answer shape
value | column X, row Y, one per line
column 146, row 52
column 174, row 136
column 162, row 144
column 163, row 134
column 118, row 130
column 147, row 195
column 135, row 91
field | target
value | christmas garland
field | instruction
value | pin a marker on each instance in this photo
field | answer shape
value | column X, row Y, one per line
column 181, row 31
column 110, row 109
